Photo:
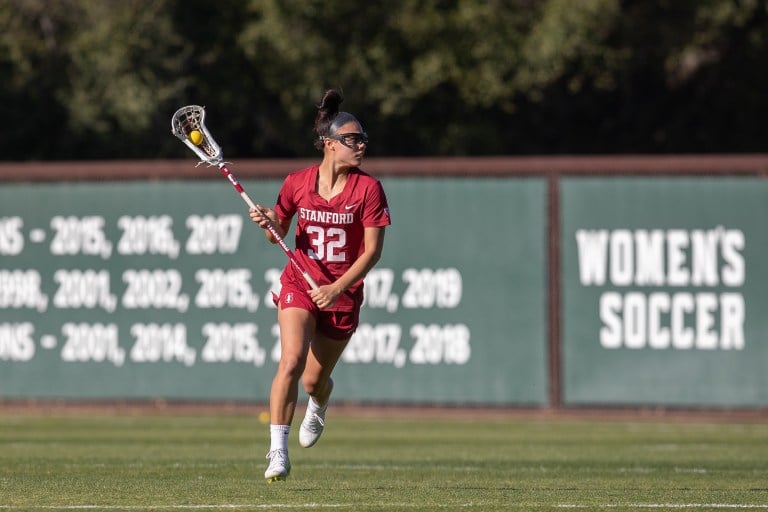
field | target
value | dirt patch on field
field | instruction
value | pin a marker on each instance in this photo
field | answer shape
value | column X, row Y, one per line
column 387, row 410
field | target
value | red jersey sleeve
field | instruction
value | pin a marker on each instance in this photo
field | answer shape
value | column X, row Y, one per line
column 285, row 206
column 376, row 213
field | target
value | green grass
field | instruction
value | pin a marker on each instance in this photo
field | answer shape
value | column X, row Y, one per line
column 210, row 462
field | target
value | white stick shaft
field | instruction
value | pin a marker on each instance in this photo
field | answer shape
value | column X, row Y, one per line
column 247, row 199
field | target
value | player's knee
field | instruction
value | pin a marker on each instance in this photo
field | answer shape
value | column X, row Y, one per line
column 291, row 367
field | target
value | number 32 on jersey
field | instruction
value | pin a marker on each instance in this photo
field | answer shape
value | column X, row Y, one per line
column 328, row 243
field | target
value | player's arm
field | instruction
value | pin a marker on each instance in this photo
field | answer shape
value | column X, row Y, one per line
column 281, row 225
column 373, row 238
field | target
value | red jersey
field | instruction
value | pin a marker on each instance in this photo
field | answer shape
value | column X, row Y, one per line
column 329, row 234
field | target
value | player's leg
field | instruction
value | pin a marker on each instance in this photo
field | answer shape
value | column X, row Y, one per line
column 323, row 355
column 297, row 326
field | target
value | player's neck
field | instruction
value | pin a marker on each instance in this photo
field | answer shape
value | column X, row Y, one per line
column 331, row 180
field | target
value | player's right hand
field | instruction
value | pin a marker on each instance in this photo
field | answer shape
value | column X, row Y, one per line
column 263, row 216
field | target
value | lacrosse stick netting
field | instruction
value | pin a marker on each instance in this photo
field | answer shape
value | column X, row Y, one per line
column 192, row 117
column 188, row 119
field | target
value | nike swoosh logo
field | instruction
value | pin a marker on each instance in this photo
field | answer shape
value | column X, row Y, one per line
column 350, row 206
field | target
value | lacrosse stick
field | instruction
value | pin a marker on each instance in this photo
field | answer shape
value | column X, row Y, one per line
column 191, row 119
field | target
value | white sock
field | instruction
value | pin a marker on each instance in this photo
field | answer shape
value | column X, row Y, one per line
column 279, row 437
column 312, row 406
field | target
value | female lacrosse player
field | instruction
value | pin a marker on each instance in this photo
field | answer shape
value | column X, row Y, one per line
column 341, row 215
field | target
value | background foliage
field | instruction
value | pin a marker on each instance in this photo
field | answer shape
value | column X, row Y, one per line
column 88, row 79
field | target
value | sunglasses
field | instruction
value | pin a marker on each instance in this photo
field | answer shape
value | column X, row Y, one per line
column 351, row 140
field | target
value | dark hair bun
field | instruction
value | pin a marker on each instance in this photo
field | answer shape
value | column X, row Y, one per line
column 330, row 102
column 326, row 112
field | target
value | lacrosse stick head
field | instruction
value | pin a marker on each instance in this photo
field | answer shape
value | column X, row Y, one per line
column 188, row 119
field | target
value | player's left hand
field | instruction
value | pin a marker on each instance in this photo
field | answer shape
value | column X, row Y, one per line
column 324, row 296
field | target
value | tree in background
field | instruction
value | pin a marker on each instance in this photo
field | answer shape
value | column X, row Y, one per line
column 86, row 77
column 100, row 79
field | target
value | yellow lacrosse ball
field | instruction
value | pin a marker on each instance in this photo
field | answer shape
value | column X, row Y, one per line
column 196, row 137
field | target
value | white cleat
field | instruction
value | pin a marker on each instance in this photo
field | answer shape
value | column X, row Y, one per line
column 279, row 466
column 311, row 428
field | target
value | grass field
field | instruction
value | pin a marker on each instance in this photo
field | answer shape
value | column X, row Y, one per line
column 216, row 462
